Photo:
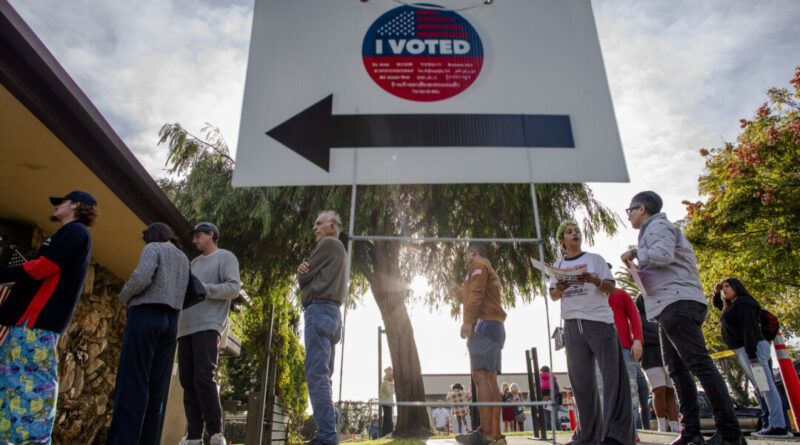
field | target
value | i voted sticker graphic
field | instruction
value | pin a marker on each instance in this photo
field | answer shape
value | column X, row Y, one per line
column 422, row 53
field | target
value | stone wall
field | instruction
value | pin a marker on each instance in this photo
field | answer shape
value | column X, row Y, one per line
column 88, row 354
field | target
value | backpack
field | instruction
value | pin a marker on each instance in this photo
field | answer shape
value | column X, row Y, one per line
column 769, row 325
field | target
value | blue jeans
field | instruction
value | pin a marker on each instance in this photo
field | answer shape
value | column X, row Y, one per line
column 773, row 399
column 148, row 348
column 323, row 330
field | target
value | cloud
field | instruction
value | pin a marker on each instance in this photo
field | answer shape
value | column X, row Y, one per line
column 147, row 63
column 683, row 73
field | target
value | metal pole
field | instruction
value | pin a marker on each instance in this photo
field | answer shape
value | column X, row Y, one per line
column 531, row 393
column 553, row 415
column 538, row 382
column 347, row 273
column 380, row 380
column 265, row 378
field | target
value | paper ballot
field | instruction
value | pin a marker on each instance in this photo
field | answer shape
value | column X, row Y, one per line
column 635, row 276
column 760, row 377
column 569, row 275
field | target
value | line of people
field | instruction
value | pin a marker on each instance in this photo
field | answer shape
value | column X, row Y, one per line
column 43, row 299
column 671, row 314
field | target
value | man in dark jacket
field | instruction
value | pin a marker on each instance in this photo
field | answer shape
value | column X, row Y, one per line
column 322, row 283
column 39, row 308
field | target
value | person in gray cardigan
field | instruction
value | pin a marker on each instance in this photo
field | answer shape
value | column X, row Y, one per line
column 674, row 298
column 154, row 295
column 199, row 331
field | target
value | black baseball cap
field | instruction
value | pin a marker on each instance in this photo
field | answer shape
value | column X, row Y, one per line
column 206, row 227
column 75, row 196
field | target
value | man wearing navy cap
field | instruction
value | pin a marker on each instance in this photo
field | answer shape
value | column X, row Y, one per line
column 38, row 309
column 199, row 331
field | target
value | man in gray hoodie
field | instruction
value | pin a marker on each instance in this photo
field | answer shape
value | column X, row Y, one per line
column 199, row 330
column 674, row 297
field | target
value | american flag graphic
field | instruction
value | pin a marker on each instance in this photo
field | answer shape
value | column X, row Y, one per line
column 15, row 260
column 422, row 23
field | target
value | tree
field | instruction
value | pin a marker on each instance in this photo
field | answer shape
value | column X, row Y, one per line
column 749, row 224
column 272, row 226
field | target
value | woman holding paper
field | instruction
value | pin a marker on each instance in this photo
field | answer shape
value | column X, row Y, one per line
column 589, row 335
column 741, row 331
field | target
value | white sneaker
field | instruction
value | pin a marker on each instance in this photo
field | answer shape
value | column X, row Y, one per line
column 218, row 439
column 186, row 441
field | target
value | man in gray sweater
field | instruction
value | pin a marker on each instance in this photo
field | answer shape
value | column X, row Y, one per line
column 674, row 297
column 322, row 283
column 199, row 330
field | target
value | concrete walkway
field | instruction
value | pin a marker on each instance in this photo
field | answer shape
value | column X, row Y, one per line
column 645, row 437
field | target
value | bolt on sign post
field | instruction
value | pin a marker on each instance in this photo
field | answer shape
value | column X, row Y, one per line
column 789, row 375
column 378, row 92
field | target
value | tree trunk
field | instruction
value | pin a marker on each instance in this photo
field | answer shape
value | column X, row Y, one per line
column 390, row 293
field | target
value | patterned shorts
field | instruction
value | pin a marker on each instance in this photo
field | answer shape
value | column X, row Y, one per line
column 28, row 385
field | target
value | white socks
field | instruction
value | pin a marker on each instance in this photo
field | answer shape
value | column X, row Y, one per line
column 674, row 426
column 662, row 424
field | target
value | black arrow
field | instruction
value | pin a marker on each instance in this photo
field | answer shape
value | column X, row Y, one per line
column 313, row 132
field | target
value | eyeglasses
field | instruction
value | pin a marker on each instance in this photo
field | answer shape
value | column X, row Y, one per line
column 631, row 209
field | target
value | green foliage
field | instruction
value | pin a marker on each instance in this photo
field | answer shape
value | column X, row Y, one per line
column 625, row 282
column 749, row 225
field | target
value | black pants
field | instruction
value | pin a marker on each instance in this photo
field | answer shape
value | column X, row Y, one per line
column 148, row 347
column 197, row 361
column 387, row 420
column 683, row 348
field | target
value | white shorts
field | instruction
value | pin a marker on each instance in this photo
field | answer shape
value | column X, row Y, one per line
column 658, row 377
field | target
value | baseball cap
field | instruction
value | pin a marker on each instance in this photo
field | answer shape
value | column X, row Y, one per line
column 206, row 227
column 74, row 196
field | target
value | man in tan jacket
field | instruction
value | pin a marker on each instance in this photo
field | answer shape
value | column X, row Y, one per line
column 485, row 334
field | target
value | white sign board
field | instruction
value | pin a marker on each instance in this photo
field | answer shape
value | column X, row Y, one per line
column 382, row 92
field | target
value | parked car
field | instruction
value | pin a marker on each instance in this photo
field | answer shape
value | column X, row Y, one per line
column 749, row 417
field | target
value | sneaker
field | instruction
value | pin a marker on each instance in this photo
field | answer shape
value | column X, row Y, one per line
column 186, row 441
column 218, row 439
column 772, row 432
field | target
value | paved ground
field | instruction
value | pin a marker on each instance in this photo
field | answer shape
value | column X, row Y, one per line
column 646, row 438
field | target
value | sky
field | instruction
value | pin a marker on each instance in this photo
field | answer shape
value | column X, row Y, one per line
column 681, row 74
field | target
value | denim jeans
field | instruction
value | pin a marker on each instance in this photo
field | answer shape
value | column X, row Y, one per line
column 148, row 347
column 683, row 348
column 323, row 330
column 773, row 399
